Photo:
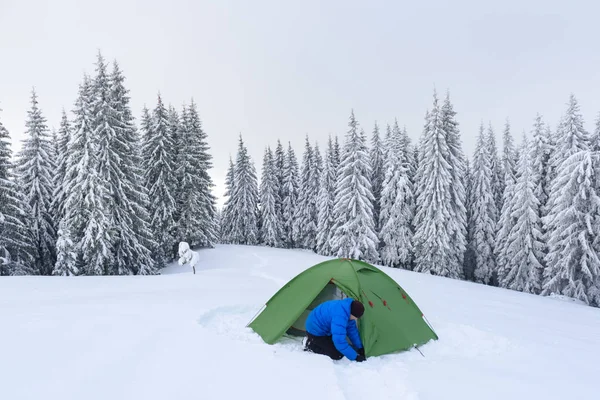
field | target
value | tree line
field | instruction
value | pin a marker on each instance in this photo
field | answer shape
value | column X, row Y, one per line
column 101, row 196
column 526, row 218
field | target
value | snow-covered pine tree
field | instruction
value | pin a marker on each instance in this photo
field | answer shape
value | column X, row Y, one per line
column 62, row 143
column 573, row 264
column 507, row 218
column 469, row 260
column 377, row 173
column 80, row 176
column 524, row 242
column 456, row 159
column 541, row 173
column 595, row 139
column 433, row 217
column 497, row 183
column 326, row 201
column 279, row 160
column 244, row 200
column 34, row 170
column 270, row 234
column 226, row 215
column 397, row 207
column 290, row 196
column 354, row 230
column 196, row 223
column 16, row 244
column 146, row 129
column 484, row 210
column 305, row 219
column 133, row 239
column 66, row 262
column 315, row 186
column 159, row 175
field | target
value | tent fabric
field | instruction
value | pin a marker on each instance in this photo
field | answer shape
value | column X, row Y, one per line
column 392, row 321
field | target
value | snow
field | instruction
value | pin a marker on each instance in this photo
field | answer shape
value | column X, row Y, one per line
column 184, row 336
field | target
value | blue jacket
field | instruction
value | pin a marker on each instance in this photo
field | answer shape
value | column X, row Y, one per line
column 332, row 318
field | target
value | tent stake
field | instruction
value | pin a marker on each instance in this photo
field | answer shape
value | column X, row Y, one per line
column 417, row 347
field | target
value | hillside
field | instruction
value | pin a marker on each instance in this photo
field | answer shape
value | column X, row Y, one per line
column 183, row 336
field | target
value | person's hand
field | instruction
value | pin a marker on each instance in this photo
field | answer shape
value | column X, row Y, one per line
column 360, row 357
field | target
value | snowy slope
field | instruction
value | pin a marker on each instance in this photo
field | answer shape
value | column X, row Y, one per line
column 183, row 336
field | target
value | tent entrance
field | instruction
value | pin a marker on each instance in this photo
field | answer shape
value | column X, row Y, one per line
column 329, row 292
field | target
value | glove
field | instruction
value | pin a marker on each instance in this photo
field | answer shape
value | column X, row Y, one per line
column 360, row 358
column 362, row 352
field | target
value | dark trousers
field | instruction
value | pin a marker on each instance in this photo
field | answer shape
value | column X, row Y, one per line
column 322, row 345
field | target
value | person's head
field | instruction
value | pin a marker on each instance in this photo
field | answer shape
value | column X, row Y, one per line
column 356, row 310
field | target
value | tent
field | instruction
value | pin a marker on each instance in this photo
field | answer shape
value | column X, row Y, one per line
column 391, row 322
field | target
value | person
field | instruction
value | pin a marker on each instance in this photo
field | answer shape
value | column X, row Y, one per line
column 328, row 325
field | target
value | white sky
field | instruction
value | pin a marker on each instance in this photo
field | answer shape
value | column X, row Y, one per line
column 274, row 69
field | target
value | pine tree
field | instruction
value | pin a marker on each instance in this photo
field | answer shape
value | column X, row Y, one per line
column 497, row 183
column 133, row 240
column 326, row 202
column 290, row 196
column 244, row 200
column 34, row 170
column 354, row 231
column 457, row 161
column 226, row 215
column 196, row 203
column 66, row 263
column 507, row 217
column 159, row 175
column 397, row 207
column 377, row 173
column 270, row 229
column 434, row 214
column 573, row 265
column 16, row 246
column 80, row 177
column 484, row 210
column 524, row 242
column 305, row 218
column 62, row 144
column 470, row 260
column 279, row 160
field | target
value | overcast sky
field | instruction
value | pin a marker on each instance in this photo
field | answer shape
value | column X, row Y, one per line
column 282, row 69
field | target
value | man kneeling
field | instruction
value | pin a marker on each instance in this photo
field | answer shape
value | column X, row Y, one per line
column 328, row 325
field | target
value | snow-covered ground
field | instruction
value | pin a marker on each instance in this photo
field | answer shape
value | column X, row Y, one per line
column 183, row 336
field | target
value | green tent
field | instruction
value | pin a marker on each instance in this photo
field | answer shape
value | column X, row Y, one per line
column 391, row 322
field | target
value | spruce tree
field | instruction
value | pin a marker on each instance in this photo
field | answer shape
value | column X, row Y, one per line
column 434, row 228
column 305, row 219
column 470, row 261
column 484, row 210
column 326, row 201
column 244, row 200
column 279, row 160
column 290, row 196
column 377, row 173
column 507, row 218
column 497, row 183
column 457, row 162
column 66, row 262
column 573, row 265
column 16, row 246
column 62, row 144
column 396, row 205
column 133, row 240
column 524, row 242
column 159, row 175
column 34, row 170
column 270, row 229
column 354, row 230
column 226, row 215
